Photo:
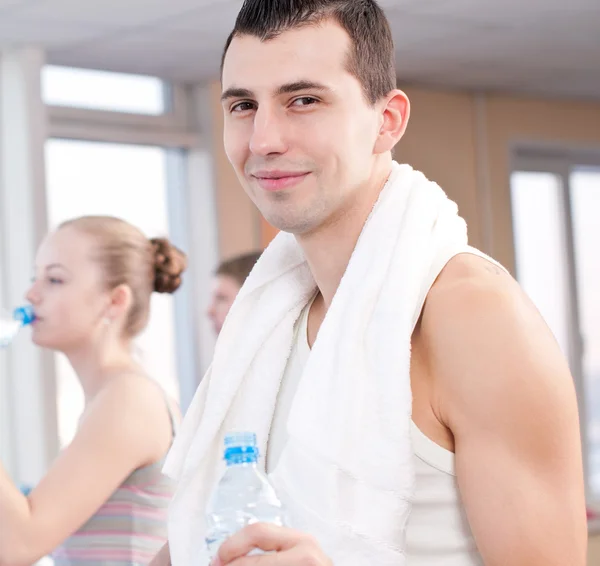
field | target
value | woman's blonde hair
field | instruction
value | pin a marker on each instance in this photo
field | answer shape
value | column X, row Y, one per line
column 127, row 257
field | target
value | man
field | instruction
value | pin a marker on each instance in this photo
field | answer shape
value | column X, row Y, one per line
column 312, row 115
column 229, row 278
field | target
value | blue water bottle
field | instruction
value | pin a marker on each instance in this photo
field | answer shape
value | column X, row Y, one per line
column 11, row 324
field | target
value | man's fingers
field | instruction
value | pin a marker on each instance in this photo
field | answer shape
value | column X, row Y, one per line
column 264, row 536
column 295, row 556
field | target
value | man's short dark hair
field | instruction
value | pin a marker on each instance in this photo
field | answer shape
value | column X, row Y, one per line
column 239, row 267
column 371, row 58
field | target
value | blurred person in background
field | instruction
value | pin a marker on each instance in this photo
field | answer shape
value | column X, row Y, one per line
column 229, row 278
column 104, row 500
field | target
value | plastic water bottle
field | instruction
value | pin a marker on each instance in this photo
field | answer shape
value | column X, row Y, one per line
column 10, row 325
column 243, row 496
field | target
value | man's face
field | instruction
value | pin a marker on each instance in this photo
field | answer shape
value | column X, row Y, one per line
column 298, row 130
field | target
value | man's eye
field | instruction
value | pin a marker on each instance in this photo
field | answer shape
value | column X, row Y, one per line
column 242, row 107
column 304, row 101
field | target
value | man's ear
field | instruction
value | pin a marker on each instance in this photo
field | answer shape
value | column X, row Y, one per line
column 395, row 115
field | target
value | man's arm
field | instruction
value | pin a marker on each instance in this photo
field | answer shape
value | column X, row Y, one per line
column 507, row 396
column 162, row 558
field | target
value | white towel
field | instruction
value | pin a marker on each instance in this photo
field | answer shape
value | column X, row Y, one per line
column 346, row 473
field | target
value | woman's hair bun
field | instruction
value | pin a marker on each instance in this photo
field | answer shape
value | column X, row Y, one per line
column 169, row 264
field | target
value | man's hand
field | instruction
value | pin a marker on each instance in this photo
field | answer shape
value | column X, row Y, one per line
column 286, row 547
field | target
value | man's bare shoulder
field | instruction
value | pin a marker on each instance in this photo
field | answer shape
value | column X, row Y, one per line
column 486, row 340
column 466, row 271
column 472, row 287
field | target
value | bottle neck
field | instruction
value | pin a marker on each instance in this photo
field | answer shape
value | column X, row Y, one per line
column 241, row 462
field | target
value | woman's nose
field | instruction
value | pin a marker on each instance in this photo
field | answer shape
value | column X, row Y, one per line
column 33, row 295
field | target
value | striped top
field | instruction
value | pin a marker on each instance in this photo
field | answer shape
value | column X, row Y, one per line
column 130, row 527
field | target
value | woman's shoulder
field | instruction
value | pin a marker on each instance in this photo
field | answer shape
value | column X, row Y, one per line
column 143, row 409
column 135, row 391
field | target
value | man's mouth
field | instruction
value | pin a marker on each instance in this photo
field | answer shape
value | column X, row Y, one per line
column 276, row 180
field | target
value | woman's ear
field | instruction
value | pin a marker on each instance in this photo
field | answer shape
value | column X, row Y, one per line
column 120, row 302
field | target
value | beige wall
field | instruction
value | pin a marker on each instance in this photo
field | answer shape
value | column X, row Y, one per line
column 594, row 550
column 440, row 141
column 239, row 223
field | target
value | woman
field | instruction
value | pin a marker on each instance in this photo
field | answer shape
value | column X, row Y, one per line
column 104, row 500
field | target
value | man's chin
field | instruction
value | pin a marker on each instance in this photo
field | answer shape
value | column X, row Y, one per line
column 293, row 228
column 284, row 223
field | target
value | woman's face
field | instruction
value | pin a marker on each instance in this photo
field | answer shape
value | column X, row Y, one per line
column 67, row 295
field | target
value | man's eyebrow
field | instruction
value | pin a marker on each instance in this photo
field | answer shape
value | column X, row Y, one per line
column 288, row 88
column 235, row 92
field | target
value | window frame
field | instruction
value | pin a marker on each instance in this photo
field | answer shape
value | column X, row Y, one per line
column 562, row 161
column 173, row 129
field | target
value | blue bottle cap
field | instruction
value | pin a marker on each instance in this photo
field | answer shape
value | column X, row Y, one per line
column 237, row 439
column 24, row 315
column 240, row 448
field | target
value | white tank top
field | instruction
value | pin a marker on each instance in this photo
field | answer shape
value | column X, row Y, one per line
column 438, row 533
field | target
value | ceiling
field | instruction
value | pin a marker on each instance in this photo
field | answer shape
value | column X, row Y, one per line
column 549, row 47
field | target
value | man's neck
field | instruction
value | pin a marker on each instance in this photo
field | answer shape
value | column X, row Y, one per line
column 328, row 249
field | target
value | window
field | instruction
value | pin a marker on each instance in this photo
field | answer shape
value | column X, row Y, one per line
column 130, row 182
column 556, row 206
column 585, row 206
column 101, row 90
column 540, row 247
